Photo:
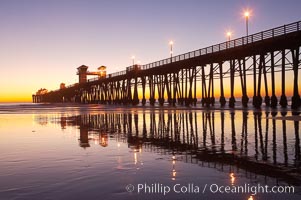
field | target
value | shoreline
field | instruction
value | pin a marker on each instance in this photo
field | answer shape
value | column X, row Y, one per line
column 23, row 108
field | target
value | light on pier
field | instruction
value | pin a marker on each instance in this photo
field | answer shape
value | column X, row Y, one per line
column 247, row 15
column 171, row 44
column 229, row 34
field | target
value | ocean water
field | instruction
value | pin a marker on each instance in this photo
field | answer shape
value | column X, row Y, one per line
column 72, row 151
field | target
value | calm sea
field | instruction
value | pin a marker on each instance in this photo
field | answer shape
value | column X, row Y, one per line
column 71, row 151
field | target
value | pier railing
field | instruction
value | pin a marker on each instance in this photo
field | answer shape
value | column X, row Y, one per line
column 268, row 34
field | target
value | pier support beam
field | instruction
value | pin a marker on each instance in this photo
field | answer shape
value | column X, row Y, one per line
column 204, row 91
column 242, row 70
column 166, row 84
column 245, row 98
column 152, row 89
column 161, row 89
column 143, row 90
column 175, row 85
column 212, row 99
column 283, row 99
column 186, row 90
column 296, row 97
column 129, row 91
column 181, row 88
column 267, row 97
column 189, row 101
column 135, row 98
column 222, row 98
column 257, row 101
column 232, row 71
column 254, row 80
column 273, row 98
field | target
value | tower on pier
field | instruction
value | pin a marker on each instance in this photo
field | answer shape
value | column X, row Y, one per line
column 82, row 73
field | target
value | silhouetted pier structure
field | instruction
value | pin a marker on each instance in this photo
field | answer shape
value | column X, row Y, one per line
column 256, row 58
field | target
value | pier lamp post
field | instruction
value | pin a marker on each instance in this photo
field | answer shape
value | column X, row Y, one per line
column 133, row 58
column 229, row 33
column 138, row 64
column 170, row 43
column 247, row 15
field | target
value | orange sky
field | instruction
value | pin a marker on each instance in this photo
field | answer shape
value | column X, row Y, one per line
column 23, row 94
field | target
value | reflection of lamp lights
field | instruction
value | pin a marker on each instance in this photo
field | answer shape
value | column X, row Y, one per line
column 232, row 178
column 250, row 198
column 103, row 140
column 135, row 157
column 174, row 173
column 118, row 144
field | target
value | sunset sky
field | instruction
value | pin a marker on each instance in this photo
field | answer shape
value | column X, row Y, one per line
column 43, row 42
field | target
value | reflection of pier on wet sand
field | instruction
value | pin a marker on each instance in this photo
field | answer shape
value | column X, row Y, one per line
column 257, row 142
